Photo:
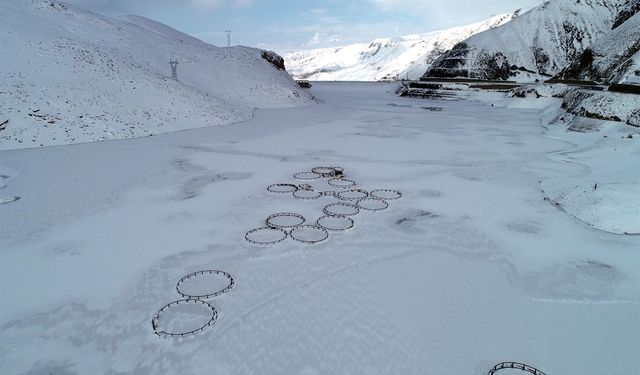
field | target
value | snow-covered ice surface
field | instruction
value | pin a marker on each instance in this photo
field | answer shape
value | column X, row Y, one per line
column 471, row 267
column 606, row 194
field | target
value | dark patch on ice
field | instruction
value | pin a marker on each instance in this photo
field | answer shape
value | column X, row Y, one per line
column 383, row 136
column 418, row 215
column 577, row 280
column 194, row 186
column 279, row 157
column 598, row 269
column 469, row 175
column 48, row 319
column 4, row 200
column 430, row 193
column 398, row 105
column 51, row 368
column 433, row 109
column 414, row 221
column 66, row 248
column 186, row 166
column 524, row 227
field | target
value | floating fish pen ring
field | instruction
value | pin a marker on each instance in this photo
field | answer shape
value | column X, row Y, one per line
column 341, row 182
column 161, row 333
column 341, row 209
column 307, row 194
column 321, row 233
column 281, row 236
column 372, row 204
column 326, row 171
column 352, row 195
column 386, row 194
column 282, row 188
column 271, row 220
column 307, row 176
column 202, row 273
column 340, row 223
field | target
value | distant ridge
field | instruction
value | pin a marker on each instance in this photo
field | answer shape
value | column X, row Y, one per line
column 384, row 59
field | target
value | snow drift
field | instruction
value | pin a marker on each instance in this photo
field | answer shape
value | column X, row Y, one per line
column 70, row 76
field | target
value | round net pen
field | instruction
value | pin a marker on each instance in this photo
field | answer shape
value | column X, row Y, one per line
column 208, row 322
column 265, row 236
column 341, row 209
column 328, row 171
column 385, row 194
column 372, row 204
column 341, row 183
column 309, row 234
column 282, row 188
column 516, row 366
column 284, row 220
column 307, row 176
column 307, row 194
column 180, row 286
column 335, row 223
column 352, row 195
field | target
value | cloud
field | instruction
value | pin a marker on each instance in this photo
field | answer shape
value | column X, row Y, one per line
column 441, row 13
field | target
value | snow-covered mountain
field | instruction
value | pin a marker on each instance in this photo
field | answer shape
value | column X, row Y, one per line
column 383, row 58
column 72, row 76
column 539, row 43
column 614, row 57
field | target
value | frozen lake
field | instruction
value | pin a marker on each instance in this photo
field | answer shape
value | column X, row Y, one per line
column 471, row 267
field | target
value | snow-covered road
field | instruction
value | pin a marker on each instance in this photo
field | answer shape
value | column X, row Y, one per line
column 471, row 267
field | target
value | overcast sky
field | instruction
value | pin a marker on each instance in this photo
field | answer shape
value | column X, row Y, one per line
column 295, row 24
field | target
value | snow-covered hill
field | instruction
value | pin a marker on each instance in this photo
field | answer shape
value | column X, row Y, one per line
column 383, row 58
column 613, row 58
column 72, row 76
column 539, row 43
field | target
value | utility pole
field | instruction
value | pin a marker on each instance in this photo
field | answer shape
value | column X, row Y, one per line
column 228, row 37
column 174, row 68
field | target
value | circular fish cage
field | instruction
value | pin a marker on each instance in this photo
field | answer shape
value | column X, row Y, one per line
column 265, row 236
column 306, row 176
column 282, row 188
column 342, row 183
column 385, row 194
column 335, row 223
column 309, row 234
column 341, row 209
column 284, row 220
column 307, row 194
column 372, row 204
column 184, row 317
column 352, row 195
column 328, row 171
column 204, row 284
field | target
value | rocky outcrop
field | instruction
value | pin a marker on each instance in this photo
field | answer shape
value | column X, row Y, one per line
column 627, row 11
column 275, row 59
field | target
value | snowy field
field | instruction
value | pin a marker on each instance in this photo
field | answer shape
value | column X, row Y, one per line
column 471, row 267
